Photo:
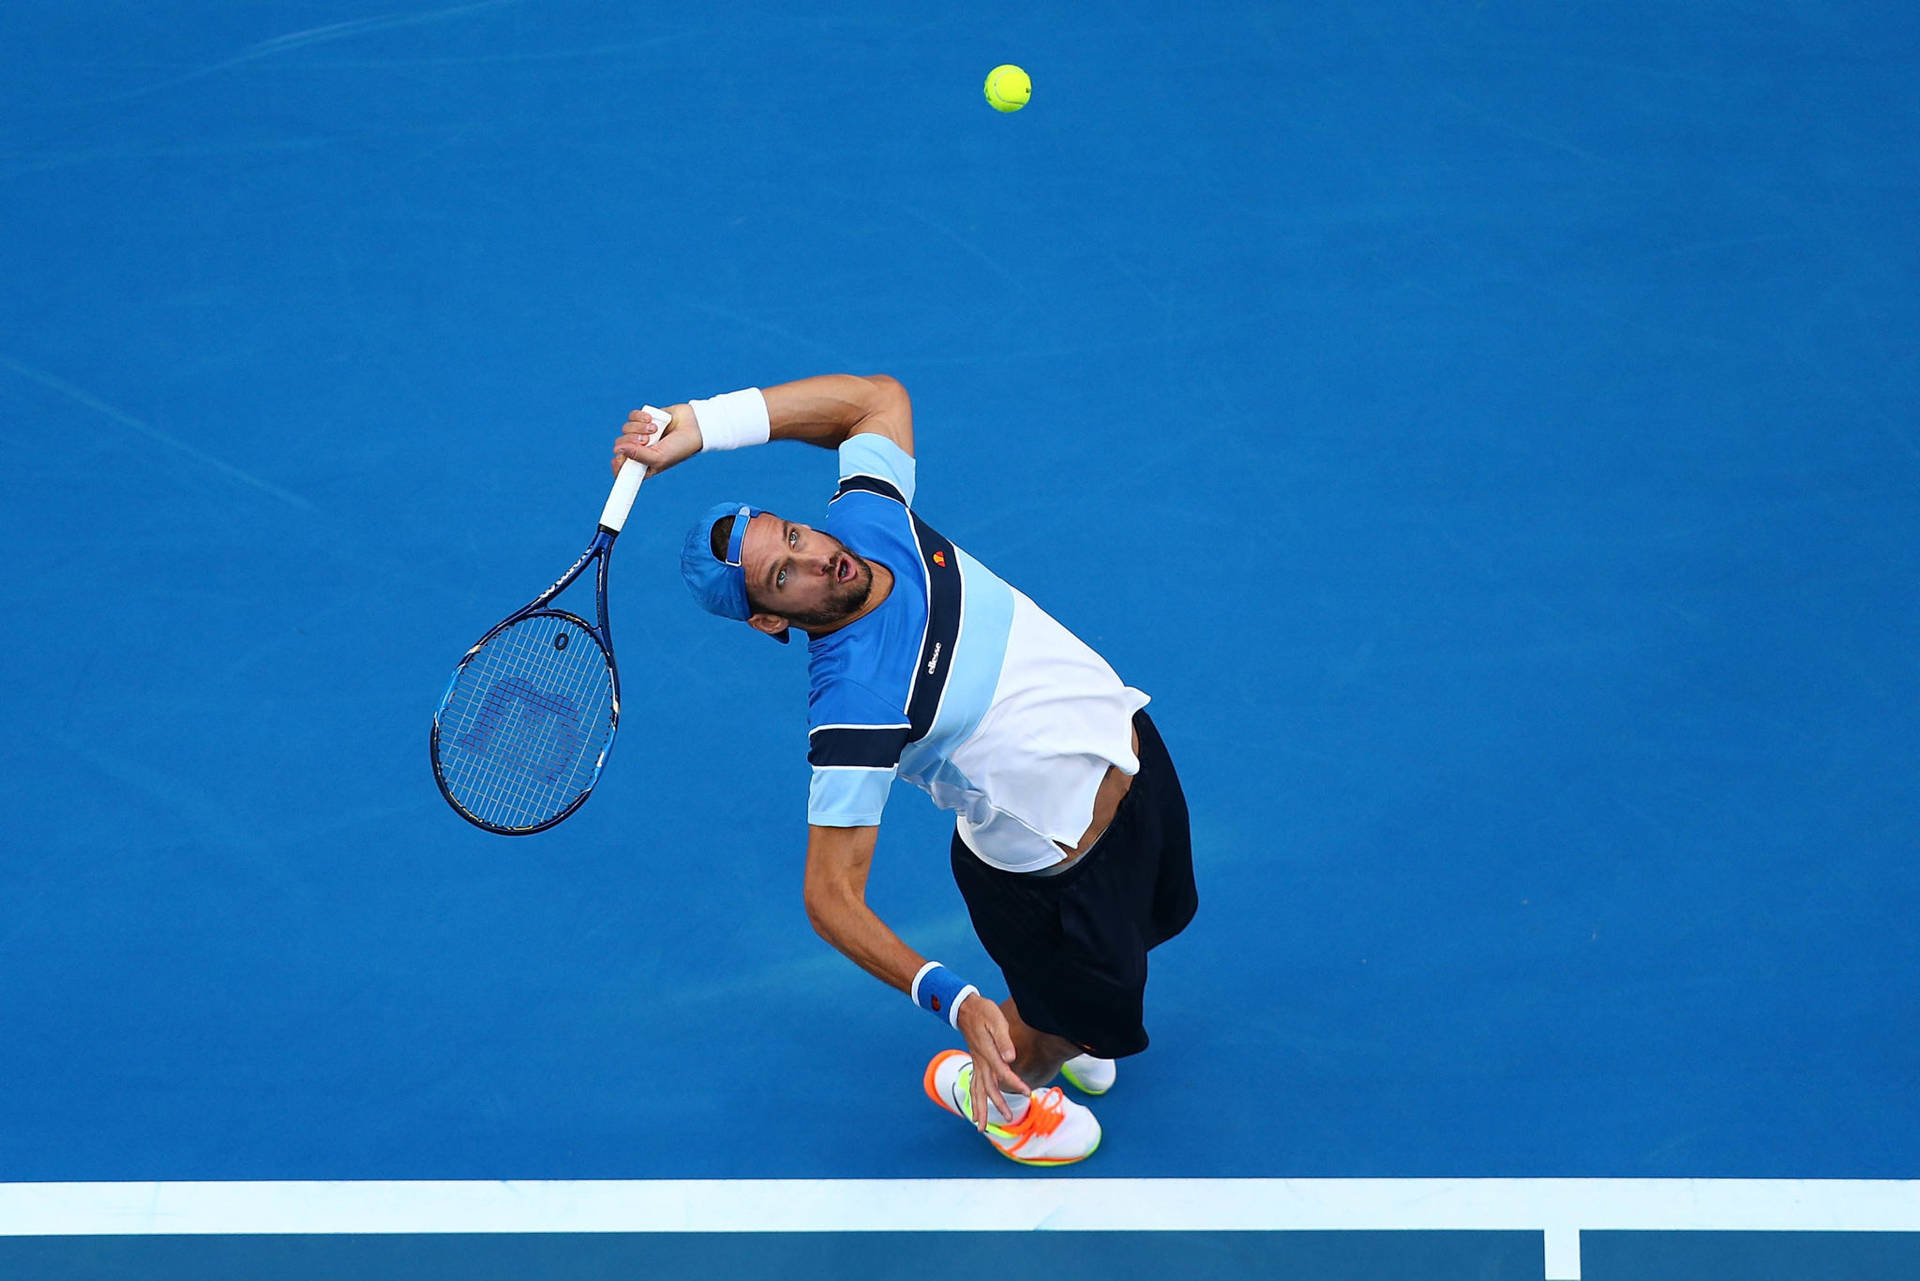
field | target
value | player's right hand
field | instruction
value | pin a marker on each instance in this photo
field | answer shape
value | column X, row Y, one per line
column 659, row 445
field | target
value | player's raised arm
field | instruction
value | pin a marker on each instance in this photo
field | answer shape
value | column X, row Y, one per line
column 824, row 410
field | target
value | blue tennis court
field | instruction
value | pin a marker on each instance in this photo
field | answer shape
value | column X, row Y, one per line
column 1491, row 433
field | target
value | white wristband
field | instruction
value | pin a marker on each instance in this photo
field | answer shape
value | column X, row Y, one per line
column 732, row 421
column 953, row 1011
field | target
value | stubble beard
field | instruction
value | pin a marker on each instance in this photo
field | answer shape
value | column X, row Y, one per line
column 843, row 601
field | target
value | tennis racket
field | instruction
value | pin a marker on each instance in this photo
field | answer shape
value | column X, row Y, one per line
column 529, row 715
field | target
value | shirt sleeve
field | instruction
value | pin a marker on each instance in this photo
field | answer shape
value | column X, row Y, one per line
column 854, row 748
column 872, row 456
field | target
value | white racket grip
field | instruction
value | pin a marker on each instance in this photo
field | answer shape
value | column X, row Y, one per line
column 613, row 517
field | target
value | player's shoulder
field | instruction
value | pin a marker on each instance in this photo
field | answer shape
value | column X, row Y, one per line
column 871, row 463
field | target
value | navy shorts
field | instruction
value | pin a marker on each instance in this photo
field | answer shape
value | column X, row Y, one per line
column 1073, row 947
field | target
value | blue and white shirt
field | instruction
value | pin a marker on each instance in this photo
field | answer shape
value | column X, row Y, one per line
column 957, row 683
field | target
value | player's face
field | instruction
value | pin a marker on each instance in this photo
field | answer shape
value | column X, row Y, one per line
column 807, row 577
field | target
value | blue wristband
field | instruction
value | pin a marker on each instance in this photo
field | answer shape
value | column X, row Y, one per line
column 939, row 991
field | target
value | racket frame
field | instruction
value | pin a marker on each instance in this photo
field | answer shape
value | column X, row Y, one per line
column 612, row 519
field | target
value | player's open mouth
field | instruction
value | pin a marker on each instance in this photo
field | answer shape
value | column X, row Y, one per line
column 843, row 572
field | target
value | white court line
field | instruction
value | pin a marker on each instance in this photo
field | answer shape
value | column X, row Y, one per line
column 1559, row 1208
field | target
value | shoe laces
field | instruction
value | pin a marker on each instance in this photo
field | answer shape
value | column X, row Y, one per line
column 1046, row 1110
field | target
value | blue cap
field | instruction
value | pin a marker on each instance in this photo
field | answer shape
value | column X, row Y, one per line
column 720, row 585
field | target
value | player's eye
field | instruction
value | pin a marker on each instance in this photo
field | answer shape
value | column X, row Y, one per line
column 780, row 580
column 793, row 538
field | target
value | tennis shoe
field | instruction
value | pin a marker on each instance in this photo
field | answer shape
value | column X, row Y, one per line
column 1054, row 1130
column 1088, row 1074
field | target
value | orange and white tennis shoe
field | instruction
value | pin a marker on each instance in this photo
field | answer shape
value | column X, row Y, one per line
column 1054, row 1130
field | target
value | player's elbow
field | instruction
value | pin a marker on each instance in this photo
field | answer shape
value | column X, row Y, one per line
column 891, row 404
column 833, row 903
column 890, row 390
column 889, row 410
column 816, row 918
column 826, row 906
column 834, row 888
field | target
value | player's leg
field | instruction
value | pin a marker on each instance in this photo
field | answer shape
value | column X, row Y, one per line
column 1174, row 896
column 1016, row 924
column 1132, row 891
column 1165, row 897
column 1040, row 1056
column 1037, row 1056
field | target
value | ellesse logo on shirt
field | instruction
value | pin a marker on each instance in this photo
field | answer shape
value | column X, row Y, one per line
column 935, row 660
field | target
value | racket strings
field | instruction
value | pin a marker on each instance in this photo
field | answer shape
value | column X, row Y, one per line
column 526, row 723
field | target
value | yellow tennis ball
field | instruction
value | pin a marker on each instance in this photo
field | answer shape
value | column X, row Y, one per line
column 1008, row 88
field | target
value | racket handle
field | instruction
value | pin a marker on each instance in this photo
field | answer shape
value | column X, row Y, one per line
column 627, row 484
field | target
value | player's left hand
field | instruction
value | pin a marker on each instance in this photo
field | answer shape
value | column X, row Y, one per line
column 991, row 1044
column 659, row 445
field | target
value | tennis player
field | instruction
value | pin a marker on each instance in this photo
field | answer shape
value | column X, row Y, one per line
column 1071, row 842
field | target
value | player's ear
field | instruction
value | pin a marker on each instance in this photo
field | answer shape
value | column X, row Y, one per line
column 771, row 624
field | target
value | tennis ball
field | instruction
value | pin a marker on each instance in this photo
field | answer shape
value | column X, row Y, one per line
column 1008, row 88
